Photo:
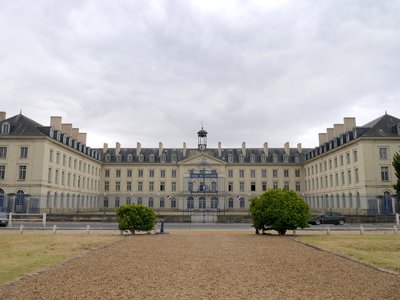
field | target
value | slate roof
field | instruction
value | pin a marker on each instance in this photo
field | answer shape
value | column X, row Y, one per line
column 21, row 125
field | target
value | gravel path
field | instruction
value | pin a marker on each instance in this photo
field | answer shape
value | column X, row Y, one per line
column 207, row 265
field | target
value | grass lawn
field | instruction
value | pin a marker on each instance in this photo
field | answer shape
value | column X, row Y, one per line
column 25, row 253
column 380, row 250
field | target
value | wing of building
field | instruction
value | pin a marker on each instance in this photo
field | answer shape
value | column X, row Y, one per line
column 51, row 169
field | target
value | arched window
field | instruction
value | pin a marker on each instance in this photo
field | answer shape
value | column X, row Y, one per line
column 151, row 157
column 162, row 203
column 130, row 158
column 252, row 158
column 214, row 203
column 190, row 203
column 174, row 158
column 202, row 203
column 230, row 203
column 263, row 158
column 163, row 158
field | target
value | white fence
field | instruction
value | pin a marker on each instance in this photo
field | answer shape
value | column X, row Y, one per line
column 26, row 217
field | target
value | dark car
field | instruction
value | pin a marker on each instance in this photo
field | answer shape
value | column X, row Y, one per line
column 3, row 219
column 328, row 218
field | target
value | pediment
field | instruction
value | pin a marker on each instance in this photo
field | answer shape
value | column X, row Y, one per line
column 202, row 159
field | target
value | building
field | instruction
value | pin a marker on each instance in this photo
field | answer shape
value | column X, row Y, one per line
column 51, row 169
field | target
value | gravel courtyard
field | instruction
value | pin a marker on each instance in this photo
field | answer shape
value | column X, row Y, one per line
column 207, row 265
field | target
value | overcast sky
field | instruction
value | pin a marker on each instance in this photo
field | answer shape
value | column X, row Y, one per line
column 251, row 71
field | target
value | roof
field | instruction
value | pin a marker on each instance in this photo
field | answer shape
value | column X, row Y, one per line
column 21, row 125
column 384, row 126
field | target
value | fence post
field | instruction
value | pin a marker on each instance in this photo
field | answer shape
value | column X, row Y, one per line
column 397, row 219
column 21, row 229
column 361, row 229
column 328, row 230
column 44, row 219
column 10, row 219
column 88, row 229
column 395, row 229
column 54, row 229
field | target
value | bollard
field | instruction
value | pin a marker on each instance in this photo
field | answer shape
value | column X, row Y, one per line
column 361, row 229
column 54, row 229
column 328, row 230
column 88, row 229
column 44, row 220
column 162, row 226
column 21, row 229
column 10, row 219
column 395, row 229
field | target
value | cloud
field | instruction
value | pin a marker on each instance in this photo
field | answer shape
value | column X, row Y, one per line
column 152, row 71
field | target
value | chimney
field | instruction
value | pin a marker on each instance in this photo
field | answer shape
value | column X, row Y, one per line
column 55, row 121
column 287, row 149
column 244, row 148
column 117, row 148
column 349, row 124
column 338, row 129
column 66, row 129
column 105, row 148
column 160, row 148
column 331, row 133
column 219, row 149
column 323, row 138
column 2, row 115
column 299, row 149
column 138, row 148
column 184, row 149
column 82, row 137
column 75, row 133
column 266, row 148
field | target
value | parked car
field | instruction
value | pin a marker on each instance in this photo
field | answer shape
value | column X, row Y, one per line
column 3, row 219
column 328, row 218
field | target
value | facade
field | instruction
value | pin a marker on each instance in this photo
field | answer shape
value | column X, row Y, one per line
column 51, row 169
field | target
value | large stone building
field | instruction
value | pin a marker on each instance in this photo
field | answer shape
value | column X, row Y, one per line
column 51, row 169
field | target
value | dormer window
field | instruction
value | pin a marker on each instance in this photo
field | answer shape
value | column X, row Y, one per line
column 152, row 157
column 64, row 140
column 163, row 158
column 263, row 158
column 141, row 157
column 130, row 158
column 119, row 158
column 252, row 158
column 285, row 158
column 108, row 157
column 174, row 158
column 58, row 136
column 241, row 158
column 275, row 158
column 5, row 128
column 230, row 158
column 51, row 133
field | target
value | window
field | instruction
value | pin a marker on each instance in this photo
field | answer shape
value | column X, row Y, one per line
column 230, row 186
column 163, row 158
column 152, row 158
column 151, row 186
column 128, row 200
column 241, row 158
column 275, row 173
column 384, row 173
column 252, row 173
column 349, row 177
column 297, row 173
column 341, row 160
column 298, row 186
column 22, row 173
column 356, row 175
column 106, row 185
column 335, row 162
column 51, row 155
column 151, row 202
column 174, row 158
column 129, row 173
column 275, row 185
column 139, row 200
column 241, row 186
column 263, row 158
column 230, row 203
column 162, row 203
column 252, row 158
column 263, row 173
column 253, row 186
column 173, row 203
column 2, row 172
column 116, row 201
column 105, row 202
column 49, row 177
column 383, row 153
column 130, row 158
column 106, row 173
column 355, row 158
column 56, row 177
column 118, row 186
column 141, row 157
column 151, row 173
column 118, row 173
column 241, row 173
column 286, row 173
column 140, row 173
column 173, row 173
column 241, row 203
column 285, row 158
column 230, row 173
column 286, row 187
column 162, row 173
column 23, row 152
column 140, row 186
column 5, row 128
column 230, row 158
column 129, row 186
column 173, row 186
column 264, row 186
column 162, row 186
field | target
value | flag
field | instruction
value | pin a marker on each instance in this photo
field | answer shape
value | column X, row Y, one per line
column 238, row 197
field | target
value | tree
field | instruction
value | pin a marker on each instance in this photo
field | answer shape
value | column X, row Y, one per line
column 135, row 217
column 396, row 165
column 280, row 210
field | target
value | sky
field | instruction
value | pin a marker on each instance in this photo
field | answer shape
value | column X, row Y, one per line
column 249, row 71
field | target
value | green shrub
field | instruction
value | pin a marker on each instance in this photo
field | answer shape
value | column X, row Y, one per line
column 135, row 217
column 279, row 210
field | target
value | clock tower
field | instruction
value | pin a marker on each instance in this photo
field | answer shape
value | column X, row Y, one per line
column 202, row 139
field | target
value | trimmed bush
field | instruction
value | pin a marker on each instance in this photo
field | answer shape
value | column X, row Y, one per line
column 135, row 217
